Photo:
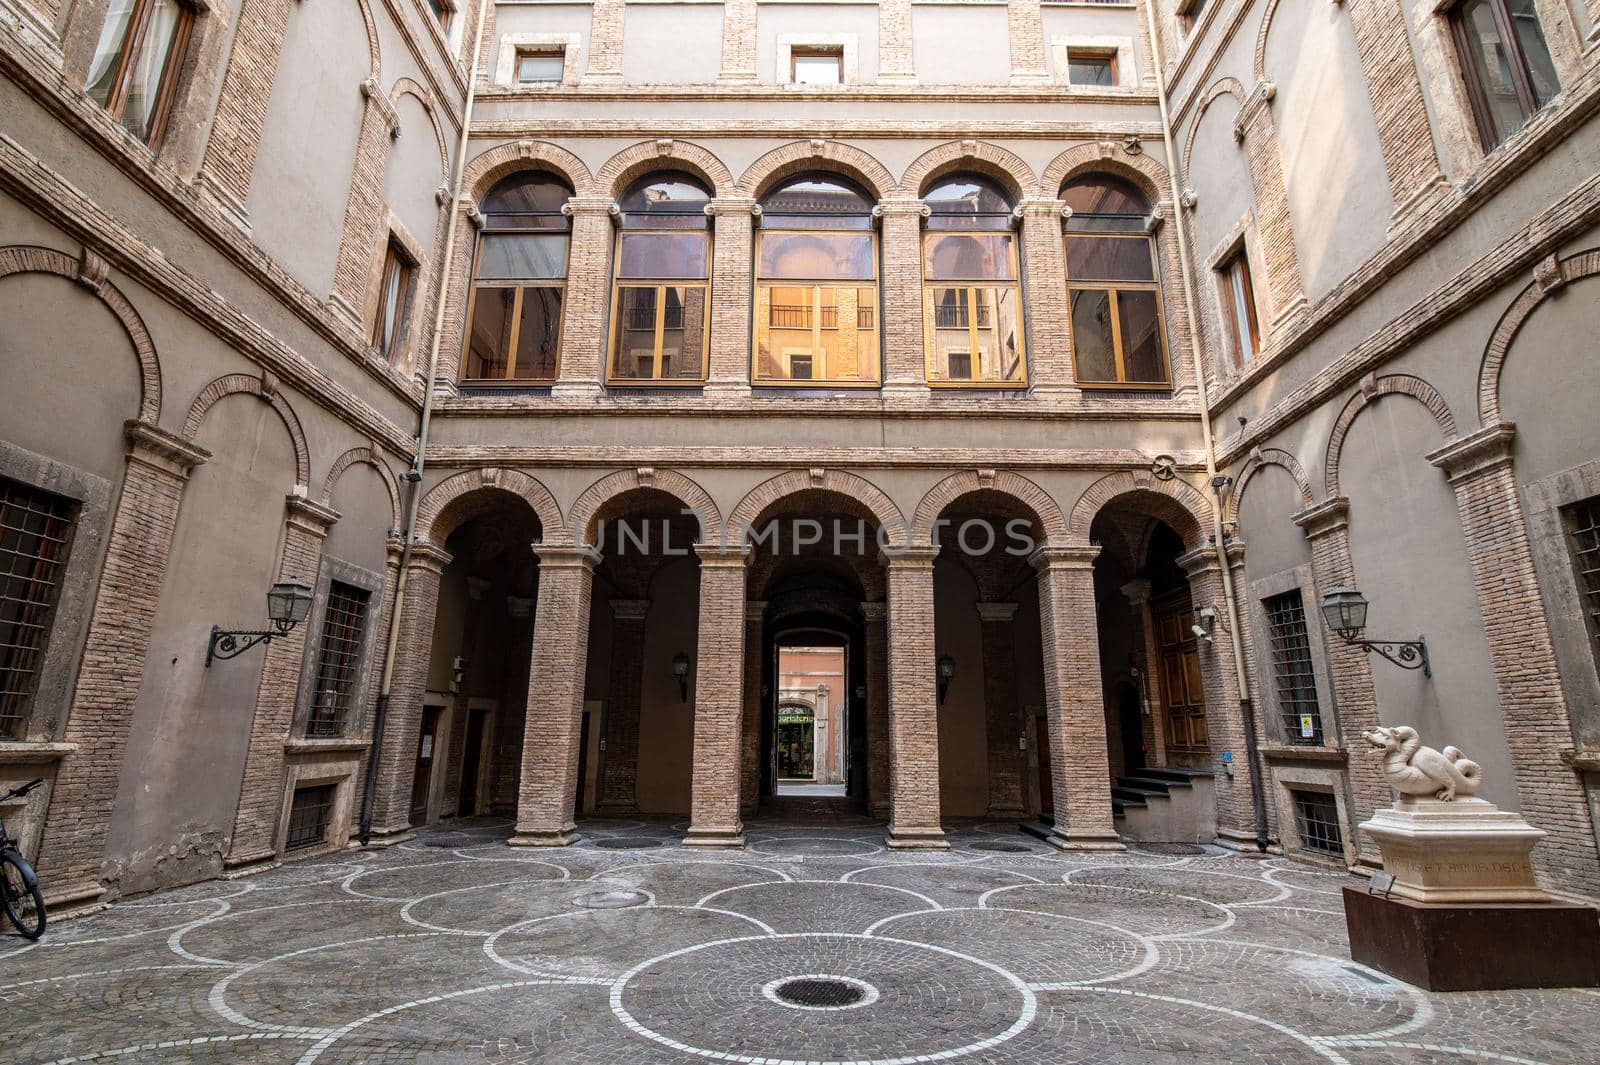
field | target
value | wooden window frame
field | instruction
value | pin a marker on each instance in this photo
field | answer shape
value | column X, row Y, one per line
column 833, row 52
column 510, row 380
column 1477, row 93
column 817, row 285
column 660, row 285
column 531, row 52
column 1113, row 287
column 132, row 44
column 395, row 258
column 967, row 287
column 1235, row 266
column 1075, row 55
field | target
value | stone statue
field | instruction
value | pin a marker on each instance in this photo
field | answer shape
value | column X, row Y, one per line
column 1413, row 769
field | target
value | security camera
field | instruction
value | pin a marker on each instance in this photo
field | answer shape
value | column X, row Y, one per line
column 1200, row 633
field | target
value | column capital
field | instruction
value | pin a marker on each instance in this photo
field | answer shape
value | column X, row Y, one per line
column 902, row 207
column 728, row 555
column 1064, row 556
column 1047, row 208
column 393, row 549
column 629, row 609
column 158, row 449
column 1320, row 519
column 426, row 555
column 1136, row 591
column 992, row 613
column 874, row 611
column 592, row 206
column 735, row 206
column 565, row 556
column 1200, row 561
column 519, row 606
column 1253, row 107
column 909, row 557
column 1477, row 453
column 315, row 518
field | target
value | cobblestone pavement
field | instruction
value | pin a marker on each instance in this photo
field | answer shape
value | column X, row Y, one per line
column 629, row 949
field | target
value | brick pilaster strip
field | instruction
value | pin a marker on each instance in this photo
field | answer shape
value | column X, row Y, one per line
column 738, row 41
column 1404, row 135
column 361, row 725
column 1001, row 710
column 913, row 704
column 732, row 219
column 555, row 698
column 904, row 371
column 137, row 550
column 896, row 60
column 750, row 734
column 605, row 41
column 452, row 340
column 1522, row 651
column 718, row 698
column 875, row 617
column 255, row 823
column 363, row 207
column 1074, row 700
column 1255, row 127
column 1025, row 26
column 397, row 760
column 230, row 157
column 620, row 773
column 1049, row 336
column 583, row 322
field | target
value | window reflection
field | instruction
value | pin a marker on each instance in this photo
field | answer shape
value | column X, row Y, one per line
column 1118, row 337
column 661, row 321
column 972, row 326
column 519, row 280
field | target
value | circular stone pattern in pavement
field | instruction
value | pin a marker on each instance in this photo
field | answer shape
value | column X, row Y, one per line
column 918, row 1002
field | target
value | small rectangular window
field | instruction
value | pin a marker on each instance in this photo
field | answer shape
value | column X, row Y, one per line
column 1582, row 523
column 309, row 814
column 816, row 66
column 134, row 72
column 1505, row 63
column 443, row 12
column 541, row 68
column 35, row 532
column 1091, row 68
column 1316, row 815
column 1239, row 303
column 338, row 659
column 394, row 302
column 1294, row 679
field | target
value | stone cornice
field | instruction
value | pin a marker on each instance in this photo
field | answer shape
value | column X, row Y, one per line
column 160, row 450
column 1320, row 519
column 505, row 456
column 566, row 556
column 906, row 556
column 1476, row 453
column 709, row 128
column 1201, row 560
column 429, row 556
column 845, row 95
column 636, row 403
column 315, row 518
column 1064, row 556
column 727, row 555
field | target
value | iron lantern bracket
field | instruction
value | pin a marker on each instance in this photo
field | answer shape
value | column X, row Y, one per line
column 226, row 644
column 1407, row 654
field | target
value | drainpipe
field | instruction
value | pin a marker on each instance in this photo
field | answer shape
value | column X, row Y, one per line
column 1218, row 484
column 413, row 476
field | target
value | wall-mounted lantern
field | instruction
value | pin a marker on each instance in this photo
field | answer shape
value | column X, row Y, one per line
column 680, row 669
column 288, row 603
column 946, row 673
column 1345, row 611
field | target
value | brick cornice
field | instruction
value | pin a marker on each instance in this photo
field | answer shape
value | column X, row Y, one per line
column 161, row 451
column 1317, row 521
column 1476, row 453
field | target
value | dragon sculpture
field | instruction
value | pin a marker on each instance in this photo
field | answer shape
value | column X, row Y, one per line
column 1413, row 769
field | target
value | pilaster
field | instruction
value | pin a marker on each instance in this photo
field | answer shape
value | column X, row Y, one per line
column 363, row 207
column 732, row 220
column 1255, row 128
column 904, row 368
column 896, row 62
column 738, row 41
column 1025, row 27
column 583, row 325
column 1049, row 335
column 750, row 734
column 718, row 696
column 875, row 619
column 913, row 704
column 230, row 157
column 605, row 42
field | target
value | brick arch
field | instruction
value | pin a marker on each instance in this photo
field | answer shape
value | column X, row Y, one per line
column 1258, row 460
column 1551, row 275
column 1019, row 488
column 90, row 272
column 991, row 160
column 583, row 513
column 818, row 154
column 1373, row 388
column 1259, row 65
column 408, row 87
column 487, row 168
column 794, row 482
column 371, row 457
column 637, row 160
column 1150, row 176
column 264, row 388
column 373, row 51
column 1175, row 501
column 436, row 519
column 1223, row 87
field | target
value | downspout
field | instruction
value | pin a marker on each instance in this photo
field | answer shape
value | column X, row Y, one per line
column 413, row 476
column 1247, row 712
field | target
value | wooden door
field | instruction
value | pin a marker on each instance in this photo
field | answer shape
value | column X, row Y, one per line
column 1182, row 691
column 422, row 779
column 1047, row 787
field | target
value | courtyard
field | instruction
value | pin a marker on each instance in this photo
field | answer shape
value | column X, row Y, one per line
column 813, row 945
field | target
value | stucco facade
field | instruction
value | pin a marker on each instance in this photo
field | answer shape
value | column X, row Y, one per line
column 563, row 593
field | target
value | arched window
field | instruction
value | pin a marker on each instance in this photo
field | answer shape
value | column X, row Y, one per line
column 816, row 315
column 661, row 321
column 1117, row 336
column 972, row 322
column 518, row 281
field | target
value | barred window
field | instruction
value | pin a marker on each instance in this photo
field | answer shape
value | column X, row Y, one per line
column 1292, row 674
column 309, row 815
column 342, row 625
column 1582, row 522
column 1316, row 815
column 35, row 531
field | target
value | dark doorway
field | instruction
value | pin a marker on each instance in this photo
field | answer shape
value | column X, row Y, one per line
column 422, row 779
column 1041, row 743
column 1130, row 711
column 471, row 760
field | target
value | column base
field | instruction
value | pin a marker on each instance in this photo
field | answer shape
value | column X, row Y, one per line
column 731, row 838
column 561, row 837
column 74, row 898
column 1069, row 841
column 916, row 839
column 387, row 837
column 245, row 864
column 1236, row 839
column 1418, row 203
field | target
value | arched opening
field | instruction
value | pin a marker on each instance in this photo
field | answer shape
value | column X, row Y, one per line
column 661, row 321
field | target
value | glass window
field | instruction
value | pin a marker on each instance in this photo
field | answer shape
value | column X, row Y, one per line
column 1091, row 68
column 394, row 302
column 540, row 68
column 972, row 323
column 816, row 285
column 134, row 73
column 35, row 532
column 443, row 12
column 661, row 320
column 1118, row 336
column 1239, row 306
column 339, row 655
column 1505, row 62
column 816, row 66
column 514, row 320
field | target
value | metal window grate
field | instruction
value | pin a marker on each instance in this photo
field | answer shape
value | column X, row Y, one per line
column 309, row 815
column 35, row 530
column 1583, row 537
column 1316, row 814
column 342, row 625
column 1292, row 673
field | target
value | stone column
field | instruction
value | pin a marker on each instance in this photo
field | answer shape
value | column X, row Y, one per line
column 137, row 549
column 913, row 704
column 1538, row 727
column 605, row 41
column 1404, row 135
column 738, row 41
column 363, row 207
column 230, row 158
column 255, row 822
column 583, row 319
column 619, row 774
column 1025, row 25
column 397, row 758
column 549, row 785
column 1002, row 718
column 1047, row 314
column 1255, row 128
column 1137, row 593
column 904, row 371
column 1224, row 719
column 750, row 735
column 875, row 618
column 1327, row 527
column 896, row 59
column 718, row 695
column 731, row 219
column 1075, row 699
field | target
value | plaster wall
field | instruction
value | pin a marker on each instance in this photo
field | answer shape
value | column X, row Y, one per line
column 963, row 44
column 672, row 44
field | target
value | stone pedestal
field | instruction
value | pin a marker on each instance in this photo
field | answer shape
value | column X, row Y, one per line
column 1464, row 851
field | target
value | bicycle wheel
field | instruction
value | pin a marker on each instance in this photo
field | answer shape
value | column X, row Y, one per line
column 23, row 903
